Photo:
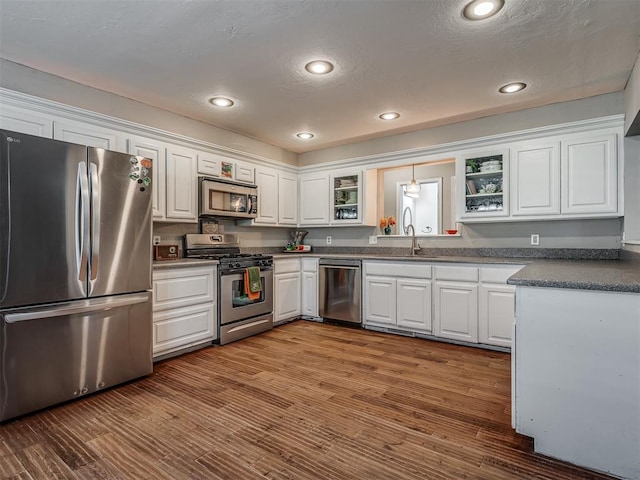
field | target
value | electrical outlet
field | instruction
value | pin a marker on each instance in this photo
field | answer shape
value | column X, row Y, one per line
column 535, row 239
column 156, row 239
column 328, row 239
column 373, row 239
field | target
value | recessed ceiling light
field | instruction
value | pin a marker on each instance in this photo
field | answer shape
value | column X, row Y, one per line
column 481, row 9
column 512, row 87
column 221, row 101
column 389, row 116
column 319, row 67
column 304, row 135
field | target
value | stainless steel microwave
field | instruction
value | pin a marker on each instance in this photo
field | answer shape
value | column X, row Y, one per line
column 226, row 199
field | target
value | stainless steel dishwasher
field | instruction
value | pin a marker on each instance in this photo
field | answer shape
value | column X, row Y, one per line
column 340, row 290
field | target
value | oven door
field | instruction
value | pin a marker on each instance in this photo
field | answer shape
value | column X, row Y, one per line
column 234, row 303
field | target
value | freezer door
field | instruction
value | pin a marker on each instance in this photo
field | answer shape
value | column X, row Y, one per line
column 44, row 220
column 120, row 259
column 58, row 353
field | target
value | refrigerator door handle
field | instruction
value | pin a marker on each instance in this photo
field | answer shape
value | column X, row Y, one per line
column 78, row 307
column 83, row 213
column 95, row 225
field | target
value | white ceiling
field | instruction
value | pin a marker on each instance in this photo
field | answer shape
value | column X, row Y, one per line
column 416, row 57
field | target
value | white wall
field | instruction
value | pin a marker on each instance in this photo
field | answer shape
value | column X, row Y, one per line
column 632, row 189
column 34, row 82
column 599, row 106
column 632, row 98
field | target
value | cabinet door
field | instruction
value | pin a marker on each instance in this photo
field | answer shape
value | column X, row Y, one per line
column 183, row 327
column 182, row 287
column 25, row 121
column 156, row 151
column 287, row 296
column 182, row 185
column 90, row 135
column 414, row 304
column 346, row 198
column 589, row 174
column 209, row 164
column 496, row 314
column 244, row 172
column 456, row 311
column 314, row 199
column 380, row 300
column 287, row 199
column 310, row 294
column 267, row 181
column 535, row 180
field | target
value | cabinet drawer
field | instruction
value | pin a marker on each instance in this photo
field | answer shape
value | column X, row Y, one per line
column 182, row 327
column 182, row 287
column 498, row 274
column 289, row 265
column 309, row 264
column 457, row 274
column 406, row 270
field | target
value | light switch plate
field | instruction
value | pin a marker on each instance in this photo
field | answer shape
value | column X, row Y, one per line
column 156, row 239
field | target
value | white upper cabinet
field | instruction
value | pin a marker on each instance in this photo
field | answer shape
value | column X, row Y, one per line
column 277, row 197
column 182, row 184
column 25, row 121
column 565, row 176
column 535, row 179
column 244, row 172
column 267, row 182
column 209, row 164
column 314, row 199
column 157, row 152
column 287, row 199
column 90, row 135
column 589, row 174
column 484, row 183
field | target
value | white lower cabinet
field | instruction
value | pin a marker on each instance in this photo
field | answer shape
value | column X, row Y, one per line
column 456, row 311
column 184, row 308
column 286, row 289
column 496, row 305
column 310, row 287
column 414, row 304
column 495, row 314
column 397, row 295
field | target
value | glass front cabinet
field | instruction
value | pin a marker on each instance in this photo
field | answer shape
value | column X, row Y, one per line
column 484, row 189
column 346, row 198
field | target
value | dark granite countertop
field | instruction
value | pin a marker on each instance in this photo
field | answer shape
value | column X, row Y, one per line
column 607, row 275
column 581, row 269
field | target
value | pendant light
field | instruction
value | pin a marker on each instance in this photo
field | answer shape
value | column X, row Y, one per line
column 413, row 189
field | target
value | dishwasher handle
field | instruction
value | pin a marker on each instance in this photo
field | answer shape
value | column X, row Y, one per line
column 339, row 267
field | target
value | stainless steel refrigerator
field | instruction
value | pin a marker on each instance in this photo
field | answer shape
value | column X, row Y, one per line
column 75, row 271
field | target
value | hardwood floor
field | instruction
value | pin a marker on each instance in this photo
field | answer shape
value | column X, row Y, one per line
column 304, row 401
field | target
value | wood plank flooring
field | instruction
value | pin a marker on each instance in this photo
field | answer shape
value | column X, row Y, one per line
column 304, row 401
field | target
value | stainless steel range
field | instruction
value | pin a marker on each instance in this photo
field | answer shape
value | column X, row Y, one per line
column 240, row 314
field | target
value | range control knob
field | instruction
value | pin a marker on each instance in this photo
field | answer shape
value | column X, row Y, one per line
column 236, row 265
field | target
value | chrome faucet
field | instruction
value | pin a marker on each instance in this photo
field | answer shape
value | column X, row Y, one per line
column 415, row 246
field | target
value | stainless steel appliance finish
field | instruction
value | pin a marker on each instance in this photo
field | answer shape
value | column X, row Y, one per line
column 220, row 198
column 239, row 316
column 340, row 290
column 75, row 270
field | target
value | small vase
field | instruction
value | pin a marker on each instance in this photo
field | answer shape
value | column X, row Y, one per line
column 387, row 230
